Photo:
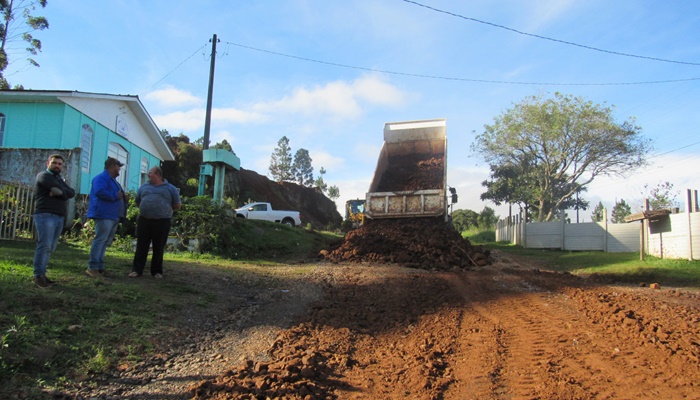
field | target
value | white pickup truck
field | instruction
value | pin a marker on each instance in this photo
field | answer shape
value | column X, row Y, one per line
column 264, row 211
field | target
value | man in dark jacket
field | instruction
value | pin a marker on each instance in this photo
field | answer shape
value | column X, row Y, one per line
column 105, row 208
column 50, row 194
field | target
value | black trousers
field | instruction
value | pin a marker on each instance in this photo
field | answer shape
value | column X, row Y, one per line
column 149, row 231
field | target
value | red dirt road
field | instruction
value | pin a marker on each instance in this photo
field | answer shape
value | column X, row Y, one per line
column 504, row 331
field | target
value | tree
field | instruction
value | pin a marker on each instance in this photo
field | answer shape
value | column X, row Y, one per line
column 281, row 161
column 333, row 193
column 542, row 152
column 487, row 218
column 462, row 220
column 319, row 183
column 620, row 211
column 662, row 196
column 598, row 212
column 225, row 145
column 301, row 168
column 13, row 29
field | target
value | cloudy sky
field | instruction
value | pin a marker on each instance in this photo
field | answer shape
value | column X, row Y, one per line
column 329, row 74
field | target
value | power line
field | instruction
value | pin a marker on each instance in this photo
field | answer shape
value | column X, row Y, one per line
column 178, row 66
column 549, row 38
column 459, row 79
column 675, row 150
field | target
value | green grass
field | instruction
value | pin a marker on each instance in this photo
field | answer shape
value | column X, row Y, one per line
column 613, row 267
column 85, row 326
column 480, row 236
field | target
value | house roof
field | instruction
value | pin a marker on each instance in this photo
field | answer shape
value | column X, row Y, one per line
column 132, row 101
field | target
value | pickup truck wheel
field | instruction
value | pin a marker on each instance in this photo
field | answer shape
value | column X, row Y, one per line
column 289, row 222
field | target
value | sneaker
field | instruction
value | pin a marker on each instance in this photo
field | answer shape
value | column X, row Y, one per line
column 41, row 281
column 92, row 273
column 158, row 276
column 134, row 274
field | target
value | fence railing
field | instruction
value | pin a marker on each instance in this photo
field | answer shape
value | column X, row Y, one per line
column 16, row 211
column 673, row 236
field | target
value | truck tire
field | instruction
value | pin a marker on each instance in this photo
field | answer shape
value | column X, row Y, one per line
column 289, row 222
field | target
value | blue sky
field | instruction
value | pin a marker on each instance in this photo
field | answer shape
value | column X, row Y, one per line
column 278, row 73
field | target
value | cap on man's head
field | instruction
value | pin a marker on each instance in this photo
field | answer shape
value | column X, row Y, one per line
column 113, row 161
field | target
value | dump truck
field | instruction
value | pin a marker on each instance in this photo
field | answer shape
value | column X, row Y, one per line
column 410, row 179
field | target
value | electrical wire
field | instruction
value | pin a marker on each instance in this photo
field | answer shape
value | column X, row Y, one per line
column 179, row 65
column 458, row 79
column 549, row 38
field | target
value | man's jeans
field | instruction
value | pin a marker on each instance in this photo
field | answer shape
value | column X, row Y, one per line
column 48, row 230
column 105, row 229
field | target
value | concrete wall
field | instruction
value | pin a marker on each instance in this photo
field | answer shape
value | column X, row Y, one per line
column 22, row 165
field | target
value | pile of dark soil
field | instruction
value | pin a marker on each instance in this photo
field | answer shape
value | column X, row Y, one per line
column 413, row 172
column 426, row 243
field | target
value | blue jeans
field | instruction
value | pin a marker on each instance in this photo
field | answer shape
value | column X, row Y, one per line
column 105, row 229
column 48, row 230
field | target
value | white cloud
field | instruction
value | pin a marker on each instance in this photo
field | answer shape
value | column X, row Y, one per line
column 181, row 121
column 172, row 97
column 325, row 160
column 336, row 100
column 233, row 115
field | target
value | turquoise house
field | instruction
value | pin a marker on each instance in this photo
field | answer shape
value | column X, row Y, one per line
column 85, row 128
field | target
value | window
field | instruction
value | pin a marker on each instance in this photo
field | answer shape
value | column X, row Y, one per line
column 117, row 151
column 144, row 170
column 86, row 135
column 2, row 128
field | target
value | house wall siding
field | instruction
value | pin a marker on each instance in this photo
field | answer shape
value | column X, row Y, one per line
column 33, row 125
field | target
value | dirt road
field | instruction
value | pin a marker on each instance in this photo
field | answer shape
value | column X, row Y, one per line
column 504, row 331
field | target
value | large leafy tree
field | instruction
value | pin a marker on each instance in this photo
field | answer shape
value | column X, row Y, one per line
column 301, row 168
column 543, row 152
column 17, row 24
column 281, row 161
column 620, row 211
column 462, row 220
column 487, row 218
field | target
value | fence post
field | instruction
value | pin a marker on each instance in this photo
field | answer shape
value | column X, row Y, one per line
column 605, row 222
column 563, row 229
column 689, row 209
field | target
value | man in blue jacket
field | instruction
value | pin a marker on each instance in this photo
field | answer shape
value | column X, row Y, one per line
column 107, row 205
column 51, row 193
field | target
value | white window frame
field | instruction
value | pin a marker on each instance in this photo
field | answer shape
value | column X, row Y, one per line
column 119, row 152
column 86, row 137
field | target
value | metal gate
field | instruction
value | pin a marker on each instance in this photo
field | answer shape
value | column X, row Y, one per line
column 16, row 211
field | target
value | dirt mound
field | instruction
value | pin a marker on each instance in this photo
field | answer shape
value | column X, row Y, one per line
column 426, row 243
column 315, row 208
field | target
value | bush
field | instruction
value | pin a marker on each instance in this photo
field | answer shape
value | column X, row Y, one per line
column 200, row 219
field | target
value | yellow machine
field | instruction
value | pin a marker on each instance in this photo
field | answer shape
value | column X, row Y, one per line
column 355, row 211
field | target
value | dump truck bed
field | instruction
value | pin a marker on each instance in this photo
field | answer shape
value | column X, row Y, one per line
column 411, row 174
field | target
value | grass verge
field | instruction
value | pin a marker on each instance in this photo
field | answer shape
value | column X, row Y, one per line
column 62, row 335
column 612, row 267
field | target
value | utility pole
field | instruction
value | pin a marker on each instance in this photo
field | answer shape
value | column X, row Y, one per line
column 207, row 119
